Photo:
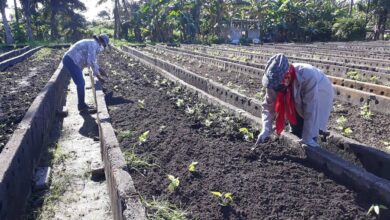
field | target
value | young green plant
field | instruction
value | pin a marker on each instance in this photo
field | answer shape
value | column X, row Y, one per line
column 143, row 137
column 174, row 182
column 342, row 126
column 141, row 104
column 248, row 136
column 179, row 103
column 192, row 167
column 224, row 199
column 366, row 112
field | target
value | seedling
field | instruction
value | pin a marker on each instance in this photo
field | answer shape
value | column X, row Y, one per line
column 161, row 129
column 141, row 103
column 179, row 103
column 190, row 111
column 342, row 121
column 163, row 82
column 143, row 137
column 259, row 95
column 177, row 89
column 374, row 79
column 192, row 167
column 366, row 112
column 174, row 182
column 224, row 198
column 353, row 75
column 208, row 122
column 376, row 209
column 248, row 136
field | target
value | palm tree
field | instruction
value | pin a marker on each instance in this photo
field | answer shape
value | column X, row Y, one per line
column 26, row 6
column 66, row 8
column 8, row 34
column 117, row 18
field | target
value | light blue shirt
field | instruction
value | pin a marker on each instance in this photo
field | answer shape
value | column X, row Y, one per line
column 84, row 54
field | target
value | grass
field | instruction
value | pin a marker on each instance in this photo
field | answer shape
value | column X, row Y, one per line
column 135, row 162
column 42, row 54
column 122, row 135
column 160, row 209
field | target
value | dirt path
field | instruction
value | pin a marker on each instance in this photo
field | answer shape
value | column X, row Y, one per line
column 72, row 193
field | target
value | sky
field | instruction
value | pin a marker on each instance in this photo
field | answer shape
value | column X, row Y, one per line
column 90, row 13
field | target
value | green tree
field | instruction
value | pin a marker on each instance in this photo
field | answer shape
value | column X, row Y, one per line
column 8, row 34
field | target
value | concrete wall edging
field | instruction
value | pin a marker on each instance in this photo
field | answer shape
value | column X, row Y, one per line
column 21, row 154
column 358, row 178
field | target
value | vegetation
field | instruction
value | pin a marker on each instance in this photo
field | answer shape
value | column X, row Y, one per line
column 159, row 209
column 174, row 182
column 192, row 167
column 224, row 199
column 194, row 21
column 342, row 126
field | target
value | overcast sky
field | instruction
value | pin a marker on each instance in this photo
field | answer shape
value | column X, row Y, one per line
column 90, row 14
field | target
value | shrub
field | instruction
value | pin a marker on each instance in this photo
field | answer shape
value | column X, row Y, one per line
column 349, row 29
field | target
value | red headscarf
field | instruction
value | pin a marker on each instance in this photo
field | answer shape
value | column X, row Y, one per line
column 284, row 106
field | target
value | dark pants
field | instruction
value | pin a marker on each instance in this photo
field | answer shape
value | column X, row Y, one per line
column 298, row 128
column 78, row 79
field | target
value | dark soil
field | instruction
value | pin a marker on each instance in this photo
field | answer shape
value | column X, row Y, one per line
column 370, row 132
column 373, row 131
column 19, row 86
column 244, row 83
column 271, row 183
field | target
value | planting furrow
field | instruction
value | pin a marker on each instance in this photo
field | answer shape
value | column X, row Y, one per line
column 337, row 50
column 359, row 59
column 13, row 53
column 339, row 81
column 20, row 85
column 367, row 74
column 354, row 121
column 162, row 129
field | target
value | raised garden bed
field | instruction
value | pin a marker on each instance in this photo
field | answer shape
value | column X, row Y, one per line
column 271, row 183
column 250, row 85
column 20, row 85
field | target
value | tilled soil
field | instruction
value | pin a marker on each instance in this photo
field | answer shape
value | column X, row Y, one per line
column 20, row 84
column 372, row 132
column 273, row 182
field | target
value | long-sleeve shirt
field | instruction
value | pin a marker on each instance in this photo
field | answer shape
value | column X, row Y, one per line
column 84, row 54
column 313, row 96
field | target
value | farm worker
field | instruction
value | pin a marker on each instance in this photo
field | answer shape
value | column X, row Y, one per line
column 298, row 92
column 84, row 54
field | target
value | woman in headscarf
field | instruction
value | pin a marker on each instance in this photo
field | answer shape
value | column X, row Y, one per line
column 84, row 54
column 298, row 93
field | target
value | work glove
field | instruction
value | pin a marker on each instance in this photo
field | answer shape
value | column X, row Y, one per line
column 263, row 136
column 310, row 142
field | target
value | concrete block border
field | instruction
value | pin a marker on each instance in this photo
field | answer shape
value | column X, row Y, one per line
column 21, row 154
column 349, row 91
column 14, row 60
column 13, row 53
column 125, row 201
column 356, row 177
